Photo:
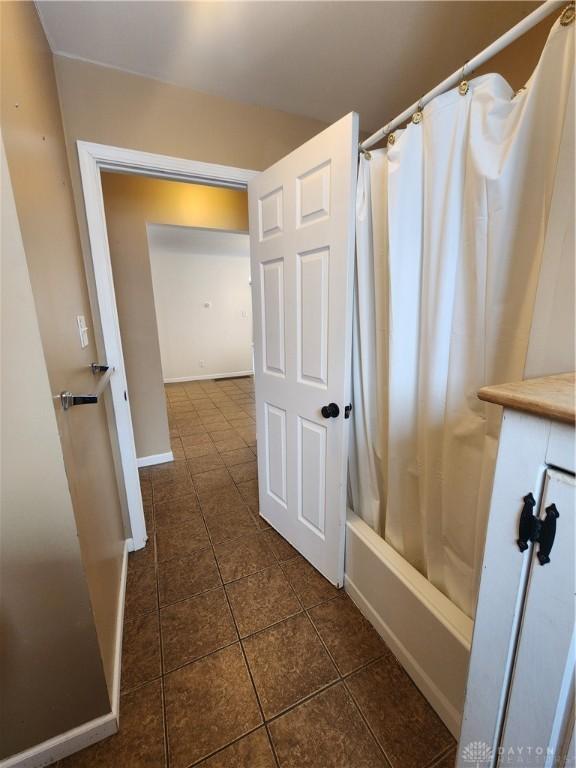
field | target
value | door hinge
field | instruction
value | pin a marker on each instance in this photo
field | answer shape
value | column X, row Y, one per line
column 542, row 532
column 347, row 411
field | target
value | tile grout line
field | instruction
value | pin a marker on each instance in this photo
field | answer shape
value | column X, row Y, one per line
column 306, row 611
column 341, row 677
column 247, row 665
column 366, row 723
column 160, row 638
column 342, row 680
column 264, row 722
column 441, row 755
column 272, row 745
column 160, row 643
column 221, row 749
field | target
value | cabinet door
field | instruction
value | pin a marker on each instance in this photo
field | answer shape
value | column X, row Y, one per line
column 539, row 708
column 520, row 470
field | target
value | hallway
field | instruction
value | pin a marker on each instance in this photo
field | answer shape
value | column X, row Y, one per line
column 236, row 652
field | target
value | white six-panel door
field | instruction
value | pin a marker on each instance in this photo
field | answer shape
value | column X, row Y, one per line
column 302, row 256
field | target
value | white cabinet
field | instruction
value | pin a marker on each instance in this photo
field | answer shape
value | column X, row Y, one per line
column 519, row 707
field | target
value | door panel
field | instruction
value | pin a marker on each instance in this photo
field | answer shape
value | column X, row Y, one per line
column 272, row 280
column 312, row 449
column 275, row 452
column 312, row 304
column 302, row 248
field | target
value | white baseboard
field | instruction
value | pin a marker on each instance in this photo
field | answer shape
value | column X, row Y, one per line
column 156, row 458
column 204, row 376
column 65, row 744
column 115, row 693
column 426, row 632
column 93, row 731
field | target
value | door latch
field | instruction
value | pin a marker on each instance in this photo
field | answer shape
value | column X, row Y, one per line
column 347, row 411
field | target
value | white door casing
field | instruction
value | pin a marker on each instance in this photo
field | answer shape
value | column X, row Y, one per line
column 92, row 159
column 302, row 260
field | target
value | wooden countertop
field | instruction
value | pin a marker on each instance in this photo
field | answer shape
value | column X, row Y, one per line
column 551, row 396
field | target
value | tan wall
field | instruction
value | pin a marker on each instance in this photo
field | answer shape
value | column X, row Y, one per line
column 36, row 154
column 51, row 673
column 112, row 107
column 517, row 62
column 131, row 202
column 108, row 106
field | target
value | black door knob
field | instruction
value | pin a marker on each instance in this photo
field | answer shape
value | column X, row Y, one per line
column 330, row 411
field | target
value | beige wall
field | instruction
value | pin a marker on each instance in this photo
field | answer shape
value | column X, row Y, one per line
column 36, row 155
column 113, row 107
column 51, row 673
column 517, row 62
column 108, row 106
column 131, row 202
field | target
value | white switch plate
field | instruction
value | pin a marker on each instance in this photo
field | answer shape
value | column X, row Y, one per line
column 82, row 330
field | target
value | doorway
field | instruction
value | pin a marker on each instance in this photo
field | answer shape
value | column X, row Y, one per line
column 180, row 260
column 203, row 302
column 93, row 159
column 301, row 213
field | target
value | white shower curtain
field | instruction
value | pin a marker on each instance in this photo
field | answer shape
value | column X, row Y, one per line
column 452, row 222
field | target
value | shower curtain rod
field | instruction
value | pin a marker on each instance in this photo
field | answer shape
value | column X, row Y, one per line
column 498, row 45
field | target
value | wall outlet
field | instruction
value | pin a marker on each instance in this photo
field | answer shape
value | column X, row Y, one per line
column 202, row 363
column 82, row 330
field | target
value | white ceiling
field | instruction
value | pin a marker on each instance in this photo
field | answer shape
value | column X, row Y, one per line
column 320, row 59
column 167, row 238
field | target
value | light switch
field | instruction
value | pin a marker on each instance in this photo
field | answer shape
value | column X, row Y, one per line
column 82, row 330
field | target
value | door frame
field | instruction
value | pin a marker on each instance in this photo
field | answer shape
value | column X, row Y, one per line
column 92, row 159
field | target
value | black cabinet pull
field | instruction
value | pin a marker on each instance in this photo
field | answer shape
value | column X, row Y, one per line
column 531, row 528
column 527, row 522
column 547, row 534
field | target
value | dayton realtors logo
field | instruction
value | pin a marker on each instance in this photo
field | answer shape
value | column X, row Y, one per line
column 477, row 753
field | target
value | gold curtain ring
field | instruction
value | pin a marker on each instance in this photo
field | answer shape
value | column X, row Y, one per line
column 464, row 85
column 391, row 140
column 418, row 115
column 568, row 15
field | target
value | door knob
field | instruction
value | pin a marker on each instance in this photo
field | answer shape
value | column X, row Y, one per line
column 330, row 411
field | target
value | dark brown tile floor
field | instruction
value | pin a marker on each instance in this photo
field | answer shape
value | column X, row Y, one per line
column 237, row 653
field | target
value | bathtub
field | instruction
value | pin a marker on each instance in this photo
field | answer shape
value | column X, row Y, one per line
column 427, row 633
